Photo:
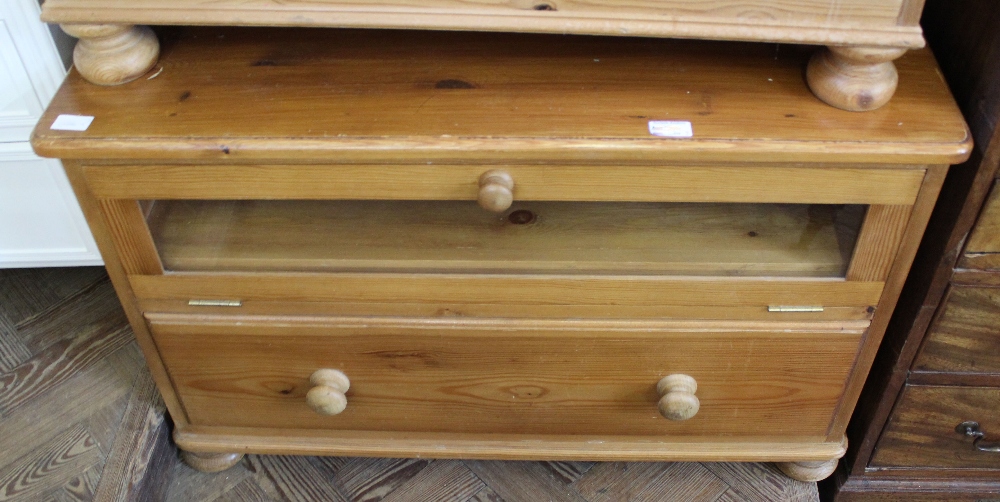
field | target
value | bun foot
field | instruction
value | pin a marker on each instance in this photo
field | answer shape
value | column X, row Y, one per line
column 808, row 471
column 210, row 462
column 112, row 54
column 855, row 79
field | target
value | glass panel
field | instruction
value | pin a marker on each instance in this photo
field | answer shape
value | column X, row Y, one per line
column 554, row 237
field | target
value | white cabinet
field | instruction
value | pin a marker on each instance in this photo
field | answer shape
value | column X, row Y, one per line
column 40, row 221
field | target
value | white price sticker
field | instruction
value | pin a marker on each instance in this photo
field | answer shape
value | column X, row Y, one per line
column 71, row 123
column 671, row 128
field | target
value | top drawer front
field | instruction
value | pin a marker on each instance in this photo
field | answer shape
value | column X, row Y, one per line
column 609, row 183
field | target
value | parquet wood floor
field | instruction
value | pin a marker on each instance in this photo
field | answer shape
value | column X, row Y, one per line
column 80, row 420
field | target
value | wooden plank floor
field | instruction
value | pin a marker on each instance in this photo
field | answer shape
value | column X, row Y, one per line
column 80, row 420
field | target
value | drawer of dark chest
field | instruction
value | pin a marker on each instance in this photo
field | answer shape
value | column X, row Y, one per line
column 938, row 426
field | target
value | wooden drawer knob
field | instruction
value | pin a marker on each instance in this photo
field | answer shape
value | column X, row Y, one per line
column 326, row 397
column 678, row 401
column 496, row 190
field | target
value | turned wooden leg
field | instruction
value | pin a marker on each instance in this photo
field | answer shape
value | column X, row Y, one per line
column 210, row 462
column 112, row 54
column 808, row 471
column 856, row 79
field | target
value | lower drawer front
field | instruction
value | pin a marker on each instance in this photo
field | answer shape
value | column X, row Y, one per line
column 505, row 377
column 922, row 431
column 965, row 336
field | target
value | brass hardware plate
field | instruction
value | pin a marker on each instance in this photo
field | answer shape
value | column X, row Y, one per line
column 215, row 303
column 793, row 308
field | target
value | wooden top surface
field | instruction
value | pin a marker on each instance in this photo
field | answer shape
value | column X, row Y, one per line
column 229, row 94
column 828, row 22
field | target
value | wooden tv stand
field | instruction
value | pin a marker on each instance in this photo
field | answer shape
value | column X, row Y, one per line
column 855, row 72
column 422, row 244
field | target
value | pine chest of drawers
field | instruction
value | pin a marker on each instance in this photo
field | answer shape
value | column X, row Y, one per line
column 489, row 245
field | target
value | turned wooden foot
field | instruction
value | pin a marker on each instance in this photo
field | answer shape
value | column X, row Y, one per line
column 808, row 471
column 112, row 54
column 856, row 79
column 210, row 462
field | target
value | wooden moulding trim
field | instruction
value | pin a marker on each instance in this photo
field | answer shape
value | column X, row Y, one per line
column 752, row 184
column 527, row 21
column 534, row 150
column 323, row 309
column 503, row 447
column 577, row 326
column 512, row 289
column 929, row 479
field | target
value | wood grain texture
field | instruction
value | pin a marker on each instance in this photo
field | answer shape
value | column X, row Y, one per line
column 131, row 237
column 113, row 54
column 587, row 382
column 395, row 480
column 93, row 307
column 119, row 278
column 809, row 471
column 65, row 429
column 922, row 433
column 58, row 363
column 374, row 478
column 53, row 465
column 854, row 78
column 140, row 458
column 982, row 251
column 540, row 237
column 910, row 12
column 512, row 290
column 966, row 42
column 614, row 481
column 13, row 351
column 773, row 183
column 449, row 309
column 888, row 22
column 897, row 278
column 878, row 243
column 26, row 429
column 394, row 102
column 531, row 481
column 965, row 337
column 439, row 481
column 297, row 479
column 792, row 490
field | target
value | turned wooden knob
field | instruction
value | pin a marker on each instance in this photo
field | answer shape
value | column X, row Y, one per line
column 112, row 54
column 678, row 401
column 855, row 79
column 496, row 190
column 326, row 397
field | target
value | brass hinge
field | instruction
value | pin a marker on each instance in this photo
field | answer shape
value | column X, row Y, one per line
column 794, row 308
column 215, row 303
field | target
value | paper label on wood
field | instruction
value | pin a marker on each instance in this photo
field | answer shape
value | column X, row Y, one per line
column 671, row 128
column 71, row 123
